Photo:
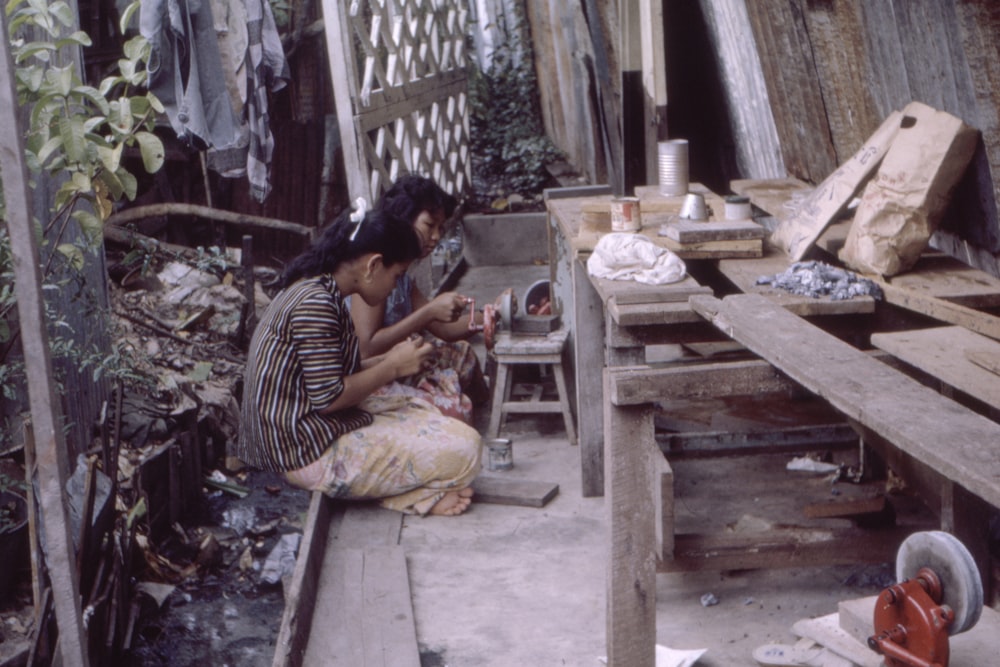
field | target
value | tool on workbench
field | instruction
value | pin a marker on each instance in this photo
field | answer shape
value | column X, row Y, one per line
column 939, row 593
column 503, row 313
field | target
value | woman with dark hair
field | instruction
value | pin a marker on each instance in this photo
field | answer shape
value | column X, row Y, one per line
column 309, row 405
column 454, row 381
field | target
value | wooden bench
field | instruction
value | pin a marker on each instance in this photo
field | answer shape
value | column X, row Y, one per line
column 946, row 447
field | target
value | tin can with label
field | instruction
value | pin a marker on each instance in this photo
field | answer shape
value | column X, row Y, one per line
column 625, row 215
column 499, row 454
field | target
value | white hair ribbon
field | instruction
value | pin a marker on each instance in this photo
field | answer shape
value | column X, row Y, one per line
column 360, row 208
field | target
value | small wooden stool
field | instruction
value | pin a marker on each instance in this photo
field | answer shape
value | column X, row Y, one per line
column 529, row 349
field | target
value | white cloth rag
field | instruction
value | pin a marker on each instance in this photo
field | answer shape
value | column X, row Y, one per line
column 625, row 256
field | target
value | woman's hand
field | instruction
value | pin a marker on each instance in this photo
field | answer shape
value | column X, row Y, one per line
column 409, row 356
column 447, row 307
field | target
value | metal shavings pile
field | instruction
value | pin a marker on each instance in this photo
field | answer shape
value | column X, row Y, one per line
column 816, row 279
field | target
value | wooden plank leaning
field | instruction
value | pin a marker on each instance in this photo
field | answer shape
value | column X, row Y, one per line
column 46, row 416
column 940, row 433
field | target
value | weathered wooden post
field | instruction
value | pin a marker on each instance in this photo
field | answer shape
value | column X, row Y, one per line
column 46, row 418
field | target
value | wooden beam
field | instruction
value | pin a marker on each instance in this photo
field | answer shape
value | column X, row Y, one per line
column 46, row 417
column 631, row 594
column 137, row 213
column 933, row 429
column 784, row 547
column 939, row 309
column 300, row 598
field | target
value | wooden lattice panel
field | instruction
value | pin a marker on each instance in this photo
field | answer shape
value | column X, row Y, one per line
column 401, row 65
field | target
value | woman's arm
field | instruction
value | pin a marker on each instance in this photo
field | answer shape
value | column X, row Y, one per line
column 443, row 314
column 375, row 339
column 403, row 359
column 455, row 328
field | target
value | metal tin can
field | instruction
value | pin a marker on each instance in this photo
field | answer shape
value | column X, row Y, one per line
column 625, row 215
column 499, row 454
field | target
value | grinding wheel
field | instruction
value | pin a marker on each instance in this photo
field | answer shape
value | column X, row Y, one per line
column 508, row 307
column 489, row 326
column 961, row 586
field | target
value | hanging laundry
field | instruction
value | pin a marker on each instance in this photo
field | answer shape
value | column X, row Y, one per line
column 185, row 71
column 212, row 65
column 268, row 71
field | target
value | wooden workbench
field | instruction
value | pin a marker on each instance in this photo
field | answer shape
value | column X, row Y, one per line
column 938, row 445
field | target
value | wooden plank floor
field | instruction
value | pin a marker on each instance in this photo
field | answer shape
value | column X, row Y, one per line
column 363, row 613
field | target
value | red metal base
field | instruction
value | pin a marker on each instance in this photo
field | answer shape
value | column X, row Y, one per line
column 911, row 626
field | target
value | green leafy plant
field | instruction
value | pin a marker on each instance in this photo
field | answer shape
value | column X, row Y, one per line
column 77, row 134
column 510, row 149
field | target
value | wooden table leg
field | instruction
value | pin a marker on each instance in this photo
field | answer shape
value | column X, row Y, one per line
column 631, row 580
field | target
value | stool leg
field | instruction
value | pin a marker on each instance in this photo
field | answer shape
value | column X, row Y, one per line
column 501, row 391
column 564, row 402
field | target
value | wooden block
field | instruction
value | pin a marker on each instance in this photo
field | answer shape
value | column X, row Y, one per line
column 687, row 231
column 776, row 196
column 747, row 248
column 626, row 292
column 512, row 491
column 973, row 648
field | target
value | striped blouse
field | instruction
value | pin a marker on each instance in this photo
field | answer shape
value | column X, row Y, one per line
column 301, row 351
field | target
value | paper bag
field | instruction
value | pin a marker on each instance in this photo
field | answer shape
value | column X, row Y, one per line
column 903, row 203
column 797, row 234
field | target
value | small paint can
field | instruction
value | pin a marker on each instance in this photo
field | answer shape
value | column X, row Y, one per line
column 738, row 208
column 625, row 215
column 499, row 454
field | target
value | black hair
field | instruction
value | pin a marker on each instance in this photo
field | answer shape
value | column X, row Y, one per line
column 411, row 194
column 378, row 232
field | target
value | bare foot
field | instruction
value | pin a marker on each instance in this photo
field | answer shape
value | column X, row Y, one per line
column 453, row 503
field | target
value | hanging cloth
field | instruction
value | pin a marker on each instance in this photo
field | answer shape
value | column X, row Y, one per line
column 185, row 71
column 267, row 72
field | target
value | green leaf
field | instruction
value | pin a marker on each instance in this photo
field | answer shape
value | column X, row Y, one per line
column 77, row 38
column 121, row 115
column 126, row 18
column 71, row 131
column 91, row 124
column 112, row 182
column 39, row 50
column 129, row 183
column 110, row 157
column 73, row 255
column 90, row 225
column 152, row 151
column 155, row 102
column 95, row 97
column 47, row 149
column 137, row 48
column 61, row 78
column 81, row 181
column 63, row 13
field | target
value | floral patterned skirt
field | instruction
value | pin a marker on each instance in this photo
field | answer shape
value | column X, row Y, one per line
column 409, row 457
column 454, row 384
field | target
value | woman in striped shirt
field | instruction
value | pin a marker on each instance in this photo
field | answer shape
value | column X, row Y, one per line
column 308, row 407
